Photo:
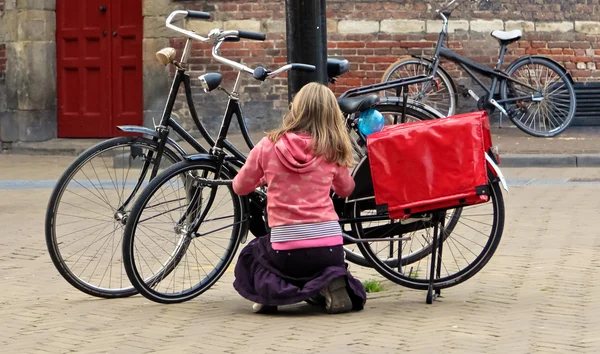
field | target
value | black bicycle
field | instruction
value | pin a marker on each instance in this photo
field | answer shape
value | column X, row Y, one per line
column 91, row 201
column 535, row 92
column 185, row 227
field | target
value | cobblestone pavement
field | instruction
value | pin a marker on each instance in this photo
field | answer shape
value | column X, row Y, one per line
column 536, row 295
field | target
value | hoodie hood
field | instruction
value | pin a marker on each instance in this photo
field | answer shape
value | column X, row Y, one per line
column 295, row 153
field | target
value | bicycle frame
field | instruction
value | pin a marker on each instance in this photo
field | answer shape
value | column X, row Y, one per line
column 496, row 74
column 233, row 108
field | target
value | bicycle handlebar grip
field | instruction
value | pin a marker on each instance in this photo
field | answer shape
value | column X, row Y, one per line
column 303, row 67
column 198, row 14
column 252, row 35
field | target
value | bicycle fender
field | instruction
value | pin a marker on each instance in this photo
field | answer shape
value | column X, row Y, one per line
column 148, row 131
column 526, row 57
column 496, row 169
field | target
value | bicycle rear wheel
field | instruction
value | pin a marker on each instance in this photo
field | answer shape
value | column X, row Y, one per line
column 84, row 222
column 555, row 110
column 469, row 241
column 164, row 261
column 392, row 113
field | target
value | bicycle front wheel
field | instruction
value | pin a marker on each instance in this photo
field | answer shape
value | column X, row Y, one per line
column 439, row 94
column 545, row 108
column 165, row 260
column 88, row 209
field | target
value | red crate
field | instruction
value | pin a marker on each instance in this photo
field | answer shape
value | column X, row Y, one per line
column 431, row 165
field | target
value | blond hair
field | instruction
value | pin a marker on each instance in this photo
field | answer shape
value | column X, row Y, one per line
column 315, row 111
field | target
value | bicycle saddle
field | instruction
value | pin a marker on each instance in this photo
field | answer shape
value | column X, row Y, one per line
column 357, row 104
column 336, row 67
column 507, row 37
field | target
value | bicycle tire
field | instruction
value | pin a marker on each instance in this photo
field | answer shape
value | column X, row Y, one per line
column 461, row 275
column 52, row 239
column 445, row 105
column 557, row 116
column 149, row 287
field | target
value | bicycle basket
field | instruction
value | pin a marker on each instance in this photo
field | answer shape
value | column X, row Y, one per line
column 430, row 165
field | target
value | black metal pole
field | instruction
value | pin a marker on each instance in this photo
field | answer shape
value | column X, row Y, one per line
column 306, row 27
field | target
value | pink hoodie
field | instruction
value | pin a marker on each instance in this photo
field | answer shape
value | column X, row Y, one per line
column 298, row 182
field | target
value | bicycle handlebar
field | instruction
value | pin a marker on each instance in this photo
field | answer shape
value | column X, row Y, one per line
column 252, row 35
column 198, row 14
column 218, row 37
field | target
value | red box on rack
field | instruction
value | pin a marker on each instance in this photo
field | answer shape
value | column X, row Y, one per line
column 431, row 165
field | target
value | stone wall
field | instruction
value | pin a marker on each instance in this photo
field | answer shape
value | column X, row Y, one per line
column 28, row 106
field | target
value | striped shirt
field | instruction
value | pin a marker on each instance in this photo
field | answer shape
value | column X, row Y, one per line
column 310, row 231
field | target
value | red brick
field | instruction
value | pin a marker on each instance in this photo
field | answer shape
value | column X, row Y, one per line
column 408, row 44
column 559, row 44
column 538, row 44
column 384, row 59
column 381, row 44
column 580, row 45
column 382, row 51
column 578, row 59
column 350, row 45
column 258, row 45
column 365, row 51
column 227, row 7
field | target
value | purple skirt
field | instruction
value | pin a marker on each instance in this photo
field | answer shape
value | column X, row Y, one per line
column 276, row 278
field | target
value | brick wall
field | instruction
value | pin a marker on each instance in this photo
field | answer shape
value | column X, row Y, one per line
column 372, row 35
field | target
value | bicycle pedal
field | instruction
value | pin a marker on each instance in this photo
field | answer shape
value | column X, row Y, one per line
column 497, row 105
column 473, row 95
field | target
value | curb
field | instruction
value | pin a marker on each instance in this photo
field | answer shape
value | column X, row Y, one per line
column 25, row 150
column 506, row 160
column 550, row 160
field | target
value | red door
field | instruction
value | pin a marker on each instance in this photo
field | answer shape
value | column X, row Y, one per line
column 99, row 62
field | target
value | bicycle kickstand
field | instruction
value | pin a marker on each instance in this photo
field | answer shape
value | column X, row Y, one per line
column 436, row 263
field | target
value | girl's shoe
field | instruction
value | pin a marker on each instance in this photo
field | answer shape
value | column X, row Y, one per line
column 260, row 308
column 336, row 296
